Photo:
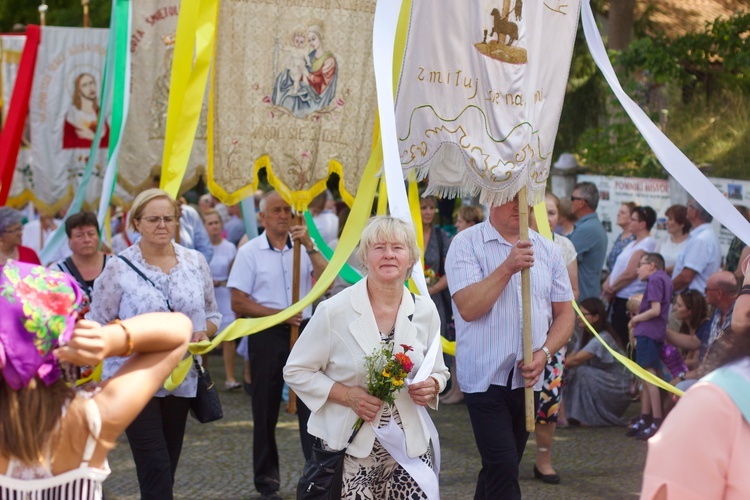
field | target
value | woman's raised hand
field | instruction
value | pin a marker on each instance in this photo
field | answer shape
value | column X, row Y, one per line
column 365, row 405
column 87, row 346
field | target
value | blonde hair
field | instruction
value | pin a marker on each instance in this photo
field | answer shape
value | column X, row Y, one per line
column 29, row 419
column 143, row 199
column 383, row 228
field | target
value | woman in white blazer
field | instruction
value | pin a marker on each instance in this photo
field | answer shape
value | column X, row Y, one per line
column 326, row 366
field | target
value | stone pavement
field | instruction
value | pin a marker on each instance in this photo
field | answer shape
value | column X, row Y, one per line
column 216, row 460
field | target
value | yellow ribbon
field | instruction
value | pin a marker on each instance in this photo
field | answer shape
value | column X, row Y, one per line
column 349, row 239
column 196, row 30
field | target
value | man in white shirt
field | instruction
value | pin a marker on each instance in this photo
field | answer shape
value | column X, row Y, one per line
column 483, row 267
column 261, row 285
column 701, row 256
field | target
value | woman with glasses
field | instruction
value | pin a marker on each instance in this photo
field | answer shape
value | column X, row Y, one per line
column 623, row 281
column 11, row 235
column 157, row 275
column 596, row 384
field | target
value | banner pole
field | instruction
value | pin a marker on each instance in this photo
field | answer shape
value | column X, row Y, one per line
column 291, row 407
column 528, row 354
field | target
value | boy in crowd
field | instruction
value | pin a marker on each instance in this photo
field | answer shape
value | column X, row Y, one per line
column 650, row 330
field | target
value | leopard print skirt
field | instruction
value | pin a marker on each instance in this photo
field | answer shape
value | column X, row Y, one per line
column 379, row 475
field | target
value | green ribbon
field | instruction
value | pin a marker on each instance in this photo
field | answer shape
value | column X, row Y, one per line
column 348, row 273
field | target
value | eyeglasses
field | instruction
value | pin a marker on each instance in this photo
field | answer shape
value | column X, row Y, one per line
column 155, row 221
column 635, row 219
column 644, row 263
column 11, row 231
column 706, row 290
column 574, row 198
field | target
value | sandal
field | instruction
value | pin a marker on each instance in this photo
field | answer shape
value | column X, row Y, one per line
column 230, row 385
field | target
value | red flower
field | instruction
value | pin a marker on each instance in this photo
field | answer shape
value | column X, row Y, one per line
column 404, row 361
column 406, row 348
column 58, row 303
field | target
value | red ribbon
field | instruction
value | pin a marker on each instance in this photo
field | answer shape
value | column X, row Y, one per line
column 10, row 138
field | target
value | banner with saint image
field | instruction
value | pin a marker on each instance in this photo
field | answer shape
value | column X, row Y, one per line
column 294, row 91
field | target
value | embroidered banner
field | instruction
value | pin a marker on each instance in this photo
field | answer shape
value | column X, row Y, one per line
column 299, row 100
column 480, row 94
column 63, row 114
column 152, row 42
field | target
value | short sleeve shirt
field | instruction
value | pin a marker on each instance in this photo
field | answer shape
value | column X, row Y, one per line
column 590, row 241
column 658, row 289
column 702, row 254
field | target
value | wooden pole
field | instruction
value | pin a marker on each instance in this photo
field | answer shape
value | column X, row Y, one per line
column 291, row 407
column 528, row 354
column 85, row 5
column 43, row 13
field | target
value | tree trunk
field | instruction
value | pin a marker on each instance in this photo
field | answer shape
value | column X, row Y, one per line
column 620, row 23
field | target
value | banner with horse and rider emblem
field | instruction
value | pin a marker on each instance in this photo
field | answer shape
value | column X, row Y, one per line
column 480, row 94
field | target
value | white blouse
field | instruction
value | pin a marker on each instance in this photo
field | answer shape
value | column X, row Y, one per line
column 119, row 292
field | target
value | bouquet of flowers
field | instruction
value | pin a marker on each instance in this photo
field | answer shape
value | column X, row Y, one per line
column 386, row 373
column 430, row 276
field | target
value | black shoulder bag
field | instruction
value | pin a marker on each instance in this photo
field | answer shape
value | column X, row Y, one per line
column 205, row 406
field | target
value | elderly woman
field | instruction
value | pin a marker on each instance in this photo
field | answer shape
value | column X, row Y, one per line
column 157, row 275
column 623, row 281
column 327, row 370
column 11, row 231
column 86, row 262
column 54, row 441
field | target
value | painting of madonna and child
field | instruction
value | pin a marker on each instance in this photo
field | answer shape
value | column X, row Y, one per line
column 306, row 82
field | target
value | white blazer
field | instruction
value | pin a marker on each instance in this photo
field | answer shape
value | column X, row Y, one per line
column 332, row 349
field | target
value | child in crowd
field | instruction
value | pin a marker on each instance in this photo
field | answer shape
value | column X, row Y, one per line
column 650, row 331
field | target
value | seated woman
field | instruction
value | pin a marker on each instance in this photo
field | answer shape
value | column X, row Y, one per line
column 326, row 367
column 691, row 310
column 596, row 388
column 54, row 441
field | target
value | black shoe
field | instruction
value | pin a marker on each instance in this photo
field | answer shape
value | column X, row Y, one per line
column 248, row 388
column 636, row 428
column 647, row 433
column 546, row 478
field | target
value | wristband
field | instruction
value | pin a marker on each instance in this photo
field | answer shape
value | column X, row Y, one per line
column 548, row 354
column 745, row 290
column 128, row 338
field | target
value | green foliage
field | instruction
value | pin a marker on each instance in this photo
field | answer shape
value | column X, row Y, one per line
column 59, row 13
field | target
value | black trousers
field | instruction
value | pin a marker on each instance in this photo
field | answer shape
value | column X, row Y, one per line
column 620, row 319
column 499, row 424
column 268, row 351
column 155, row 438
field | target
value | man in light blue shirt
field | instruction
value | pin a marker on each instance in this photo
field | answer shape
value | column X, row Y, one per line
column 589, row 238
column 483, row 267
column 701, row 255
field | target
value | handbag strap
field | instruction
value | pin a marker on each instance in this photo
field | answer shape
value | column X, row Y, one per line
column 140, row 273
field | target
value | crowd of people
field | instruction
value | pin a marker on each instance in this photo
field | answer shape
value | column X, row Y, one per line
column 179, row 273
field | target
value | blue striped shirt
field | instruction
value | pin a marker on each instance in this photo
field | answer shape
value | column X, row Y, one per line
column 488, row 348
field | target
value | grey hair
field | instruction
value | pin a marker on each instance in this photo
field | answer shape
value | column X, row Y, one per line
column 9, row 217
column 383, row 228
column 264, row 201
column 702, row 212
column 589, row 193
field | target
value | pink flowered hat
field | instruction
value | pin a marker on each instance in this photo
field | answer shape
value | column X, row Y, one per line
column 38, row 310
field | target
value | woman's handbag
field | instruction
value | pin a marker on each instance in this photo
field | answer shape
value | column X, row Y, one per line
column 205, row 406
column 323, row 475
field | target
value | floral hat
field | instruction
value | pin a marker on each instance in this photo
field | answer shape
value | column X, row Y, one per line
column 38, row 310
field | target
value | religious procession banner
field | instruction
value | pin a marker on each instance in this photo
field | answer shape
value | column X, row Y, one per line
column 63, row 115
column 152, row 43
column 11, row 48
column 294, row 91
column 480, row 94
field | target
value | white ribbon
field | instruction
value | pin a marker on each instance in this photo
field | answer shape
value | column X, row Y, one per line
column 391, row 436
column 383, row 42
column 673, row 160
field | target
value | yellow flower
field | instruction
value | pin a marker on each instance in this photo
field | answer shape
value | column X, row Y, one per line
column 386, row 374
column 397, row 382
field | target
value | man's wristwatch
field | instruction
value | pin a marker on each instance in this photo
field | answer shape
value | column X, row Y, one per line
column 548, row 354
column 681, row 376
column 313, row 250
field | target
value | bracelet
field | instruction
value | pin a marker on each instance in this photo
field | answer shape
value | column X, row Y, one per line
column 437, row 385
column 128, row 337
column 745, row 290
column 548, row 354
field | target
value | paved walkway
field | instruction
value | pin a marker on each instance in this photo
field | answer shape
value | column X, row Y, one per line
column 216, row 460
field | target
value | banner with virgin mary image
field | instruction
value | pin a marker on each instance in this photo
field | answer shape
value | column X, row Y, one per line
column 64, row 113
column 294, row 91
column 152, row 43
column 11, row 48
column 480, row 94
